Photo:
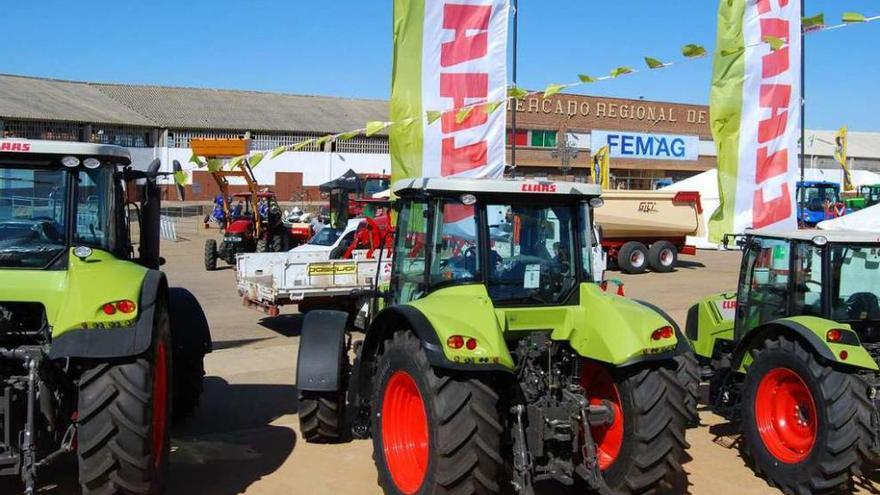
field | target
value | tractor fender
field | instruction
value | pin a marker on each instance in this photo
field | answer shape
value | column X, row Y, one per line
column 190, row 332
column 683, row 345
column 319, row 364
column 810, row 331
column 116, row 342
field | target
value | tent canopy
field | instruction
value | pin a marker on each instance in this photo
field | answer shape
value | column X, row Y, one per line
column 348, row 181
column 867, row 220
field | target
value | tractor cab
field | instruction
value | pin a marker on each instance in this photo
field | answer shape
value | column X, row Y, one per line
column 870, row 194
column 55, row 196
column 528, row 243
column 819, row 201
column 829, row 275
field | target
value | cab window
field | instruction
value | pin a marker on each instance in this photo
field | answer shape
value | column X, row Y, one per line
column 764, row 291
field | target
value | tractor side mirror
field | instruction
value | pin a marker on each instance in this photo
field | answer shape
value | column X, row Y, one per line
column 181, row 191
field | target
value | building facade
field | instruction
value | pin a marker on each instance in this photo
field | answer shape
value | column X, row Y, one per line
column 651, row 143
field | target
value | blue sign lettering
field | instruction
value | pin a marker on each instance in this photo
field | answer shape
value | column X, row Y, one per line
column 644, row 145
column 626, row 145
column 678, row 147
column 662, row 147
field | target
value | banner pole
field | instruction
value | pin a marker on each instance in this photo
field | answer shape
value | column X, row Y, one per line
column 803, row 109
column 513, row 111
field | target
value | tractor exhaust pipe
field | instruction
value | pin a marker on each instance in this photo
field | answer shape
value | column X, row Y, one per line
column 151, row 211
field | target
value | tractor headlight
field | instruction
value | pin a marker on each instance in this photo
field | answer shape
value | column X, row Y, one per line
column 70, row 161
column 91, row 163
column 820, row 240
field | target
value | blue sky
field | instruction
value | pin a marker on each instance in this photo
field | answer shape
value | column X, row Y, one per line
column 343, row 47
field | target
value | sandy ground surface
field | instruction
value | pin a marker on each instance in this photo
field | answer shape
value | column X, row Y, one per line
column 244, row 438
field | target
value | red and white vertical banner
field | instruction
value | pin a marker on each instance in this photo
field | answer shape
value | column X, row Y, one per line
column 456, row 52
column 756, row 109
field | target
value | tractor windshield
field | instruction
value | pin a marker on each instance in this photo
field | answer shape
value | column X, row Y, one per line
column 33, row 221
column 856, row 283
column 817, row 197
column 531, row 257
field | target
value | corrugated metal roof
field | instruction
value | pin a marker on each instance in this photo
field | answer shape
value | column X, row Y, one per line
column 189, row 108
column 182, row 108
column 49, row 99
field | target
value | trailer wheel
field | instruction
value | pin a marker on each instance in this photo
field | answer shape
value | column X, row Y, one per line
column 645, row 444
column 123, row 420
column 663, row 256
column 433, row 432
column 803, row 421
column 211, row 255
column 633, row 258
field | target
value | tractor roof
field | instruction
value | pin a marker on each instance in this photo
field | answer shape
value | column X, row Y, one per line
column 495, row 186
column 833, row 236
column 37, row 150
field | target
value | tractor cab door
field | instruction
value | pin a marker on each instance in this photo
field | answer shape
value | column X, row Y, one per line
column 764, row 291
column 409, row 271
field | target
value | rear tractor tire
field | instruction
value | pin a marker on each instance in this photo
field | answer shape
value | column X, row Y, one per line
column 211, row 255
column 804, row 421
column 123, row 420
column 633, row 258
column 663, row 256
column 645, row 445
column 688, row 374
column 433, row 432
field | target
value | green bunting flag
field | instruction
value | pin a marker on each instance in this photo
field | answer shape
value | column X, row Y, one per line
column 586, row 79
column 345, row 136
column 775, row 43
column 653, row 63
column 850, row 17
column 433, row 116
column 256, row 159
column 553, row 89
column 376, row 127
column 277, row 151
column 621, row 71
column 302, row 145
column 180, row 177
column 463, row 114
column 812, row 23
column 518, row 93
column 693, row 51
column 215, row 164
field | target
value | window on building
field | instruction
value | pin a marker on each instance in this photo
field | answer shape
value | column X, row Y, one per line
column 521, row 138
column 543, row 139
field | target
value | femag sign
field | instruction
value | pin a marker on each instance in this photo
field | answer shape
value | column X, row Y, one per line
column 449, row 54
column 647, row 146
column 755, row 115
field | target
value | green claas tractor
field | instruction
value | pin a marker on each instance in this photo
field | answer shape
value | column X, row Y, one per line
column 792, row 355
column 97, row 352
column 491, row 359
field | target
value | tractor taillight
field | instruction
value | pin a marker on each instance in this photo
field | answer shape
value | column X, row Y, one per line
column 663, row 333
column 455, row 342
column 834, row 335
column 109, row 309
column 126, row 306
column 471, row 344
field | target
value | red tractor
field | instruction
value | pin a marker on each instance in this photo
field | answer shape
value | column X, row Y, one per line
column 254, row 224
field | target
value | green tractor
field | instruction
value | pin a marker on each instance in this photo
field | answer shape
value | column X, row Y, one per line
column 792, row 355
column 491, row 358
column 97, row 352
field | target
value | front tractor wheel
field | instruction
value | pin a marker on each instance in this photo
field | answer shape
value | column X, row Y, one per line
column 645, row 443
column 803, row 421
column 211, row 255
column 433, row 432
column 123, row 420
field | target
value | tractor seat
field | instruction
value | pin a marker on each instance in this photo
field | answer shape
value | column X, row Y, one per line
column 863, row 306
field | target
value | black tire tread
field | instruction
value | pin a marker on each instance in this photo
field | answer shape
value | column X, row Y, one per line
column 211, row 255
column 320, row 417
column 659, row 444
column 688, row 373
column 849, row 411
column 114, row 450
column 468, row 455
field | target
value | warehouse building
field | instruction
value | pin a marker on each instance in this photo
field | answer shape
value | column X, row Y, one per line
column 651, row 142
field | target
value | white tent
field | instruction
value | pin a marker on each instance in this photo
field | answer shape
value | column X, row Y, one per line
column 706, row 184
column 867, row 220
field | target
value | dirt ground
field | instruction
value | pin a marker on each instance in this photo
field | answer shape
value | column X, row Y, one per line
column 244, row 438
